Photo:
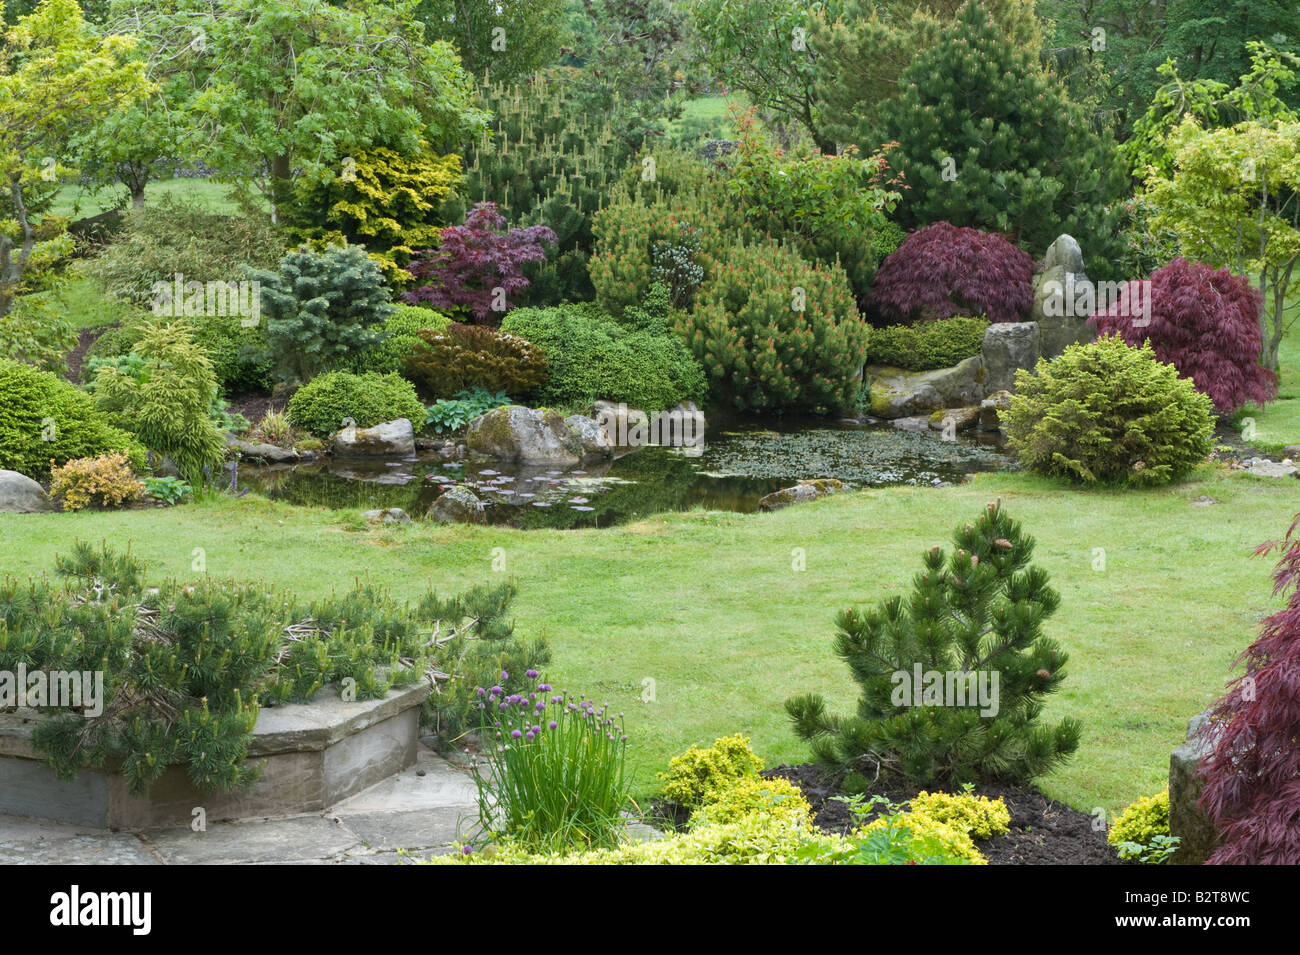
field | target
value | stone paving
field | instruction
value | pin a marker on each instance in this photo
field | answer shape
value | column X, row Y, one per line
column 416, row 814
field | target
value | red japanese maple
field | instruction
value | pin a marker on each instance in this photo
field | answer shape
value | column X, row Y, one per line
column 478, row 265
column 1203, row 322
column 943, row 270
column 1252, row 777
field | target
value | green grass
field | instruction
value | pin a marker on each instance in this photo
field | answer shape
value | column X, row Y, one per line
column 1278, row 423
column 707, row 604
column 78, row 202
column 84, row 304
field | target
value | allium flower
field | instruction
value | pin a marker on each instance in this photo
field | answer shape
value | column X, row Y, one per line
column 543, row 688
column 515, row 734
column 497, row 690
column 480, row 692
column 552, row 724
column 537, row 729
column 467, row 850
column 529, row 737
column 531, row 674
column 504, row 676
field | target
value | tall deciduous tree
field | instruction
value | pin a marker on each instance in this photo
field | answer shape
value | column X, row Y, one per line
column 287, row 86
column 507, row 39
column 56, row 77
column 1233, row 200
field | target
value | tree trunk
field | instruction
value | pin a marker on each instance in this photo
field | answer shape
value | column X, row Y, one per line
column 281, row 176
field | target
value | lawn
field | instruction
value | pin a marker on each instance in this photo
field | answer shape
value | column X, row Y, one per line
column 707, row 606
column 77, row 202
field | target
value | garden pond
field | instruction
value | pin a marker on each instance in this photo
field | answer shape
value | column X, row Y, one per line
column 736, row 466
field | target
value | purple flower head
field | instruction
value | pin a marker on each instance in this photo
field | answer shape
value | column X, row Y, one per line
column 497, row 690
column 515, row 734
column 504, row 676
column 529, row 736
column 537, row 729
column 502, row 707
column 531, row 674
column 543, row 688
column 467, row 850
column 479, row 692
column 552, row 724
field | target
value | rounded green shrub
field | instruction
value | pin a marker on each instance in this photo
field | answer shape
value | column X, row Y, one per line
column 1108, row 413
column 461, row 357
column 44, row 419
column 927, row 345
column 401, row 335
column 592, row 356
column 753, row 796
column 775, row 333
column 370, row 399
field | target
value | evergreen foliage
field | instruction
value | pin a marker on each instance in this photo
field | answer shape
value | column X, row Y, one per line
column 368, row 399
column 167, row 402
column 1106, row 412
column 187, row 665
column 1025, row 160
column 980, row 609
column 320, row 308
column 927, row 345
column 462, row 357
column 44, row 420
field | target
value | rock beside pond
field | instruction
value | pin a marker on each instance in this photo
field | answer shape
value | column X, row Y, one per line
column 261, row 451
column 458, row 506
column 1292, row 452
column 595, row 440
column 19, row 494
column 389, row 515
column 626, row 427
column 803, row 491
column 390, row 439
column 896, row 393
column 524, row 436
column 991, row 409
column 961, row 419
column 1185, row 786
column 1009, row 346
column 913, row 423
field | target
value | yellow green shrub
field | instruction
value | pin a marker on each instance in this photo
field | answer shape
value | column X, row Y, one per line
column 955, row 840
column 753, row 796
column 696, row 773
column 1141, row 821
column 105, row 481
column 979, row 816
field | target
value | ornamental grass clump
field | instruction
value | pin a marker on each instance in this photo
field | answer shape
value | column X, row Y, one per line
column 554, row 776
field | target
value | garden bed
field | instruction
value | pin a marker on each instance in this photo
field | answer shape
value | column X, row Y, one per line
column 1043, row 831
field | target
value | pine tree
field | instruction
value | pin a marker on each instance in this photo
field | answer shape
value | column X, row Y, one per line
column 979, row 611
column 989, row 140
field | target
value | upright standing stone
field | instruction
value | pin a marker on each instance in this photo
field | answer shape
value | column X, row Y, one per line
column 1185, row 785
column 1060, row 270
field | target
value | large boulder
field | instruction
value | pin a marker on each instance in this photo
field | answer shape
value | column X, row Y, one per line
column 1008, row 347
column 896, row 393
column 803, row 491
column 524, row 436
column 390, row 439
column 1186, row 821
column 19, row 494
column 626, row 427
column 955, row 419
column 596, row 442
column 458, row 506
column 1059, row 273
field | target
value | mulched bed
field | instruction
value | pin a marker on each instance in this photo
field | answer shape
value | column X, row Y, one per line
column 1043, row 831
column 77, row 357
column 254, row 406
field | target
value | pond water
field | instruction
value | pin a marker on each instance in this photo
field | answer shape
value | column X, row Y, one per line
column 738, row 464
